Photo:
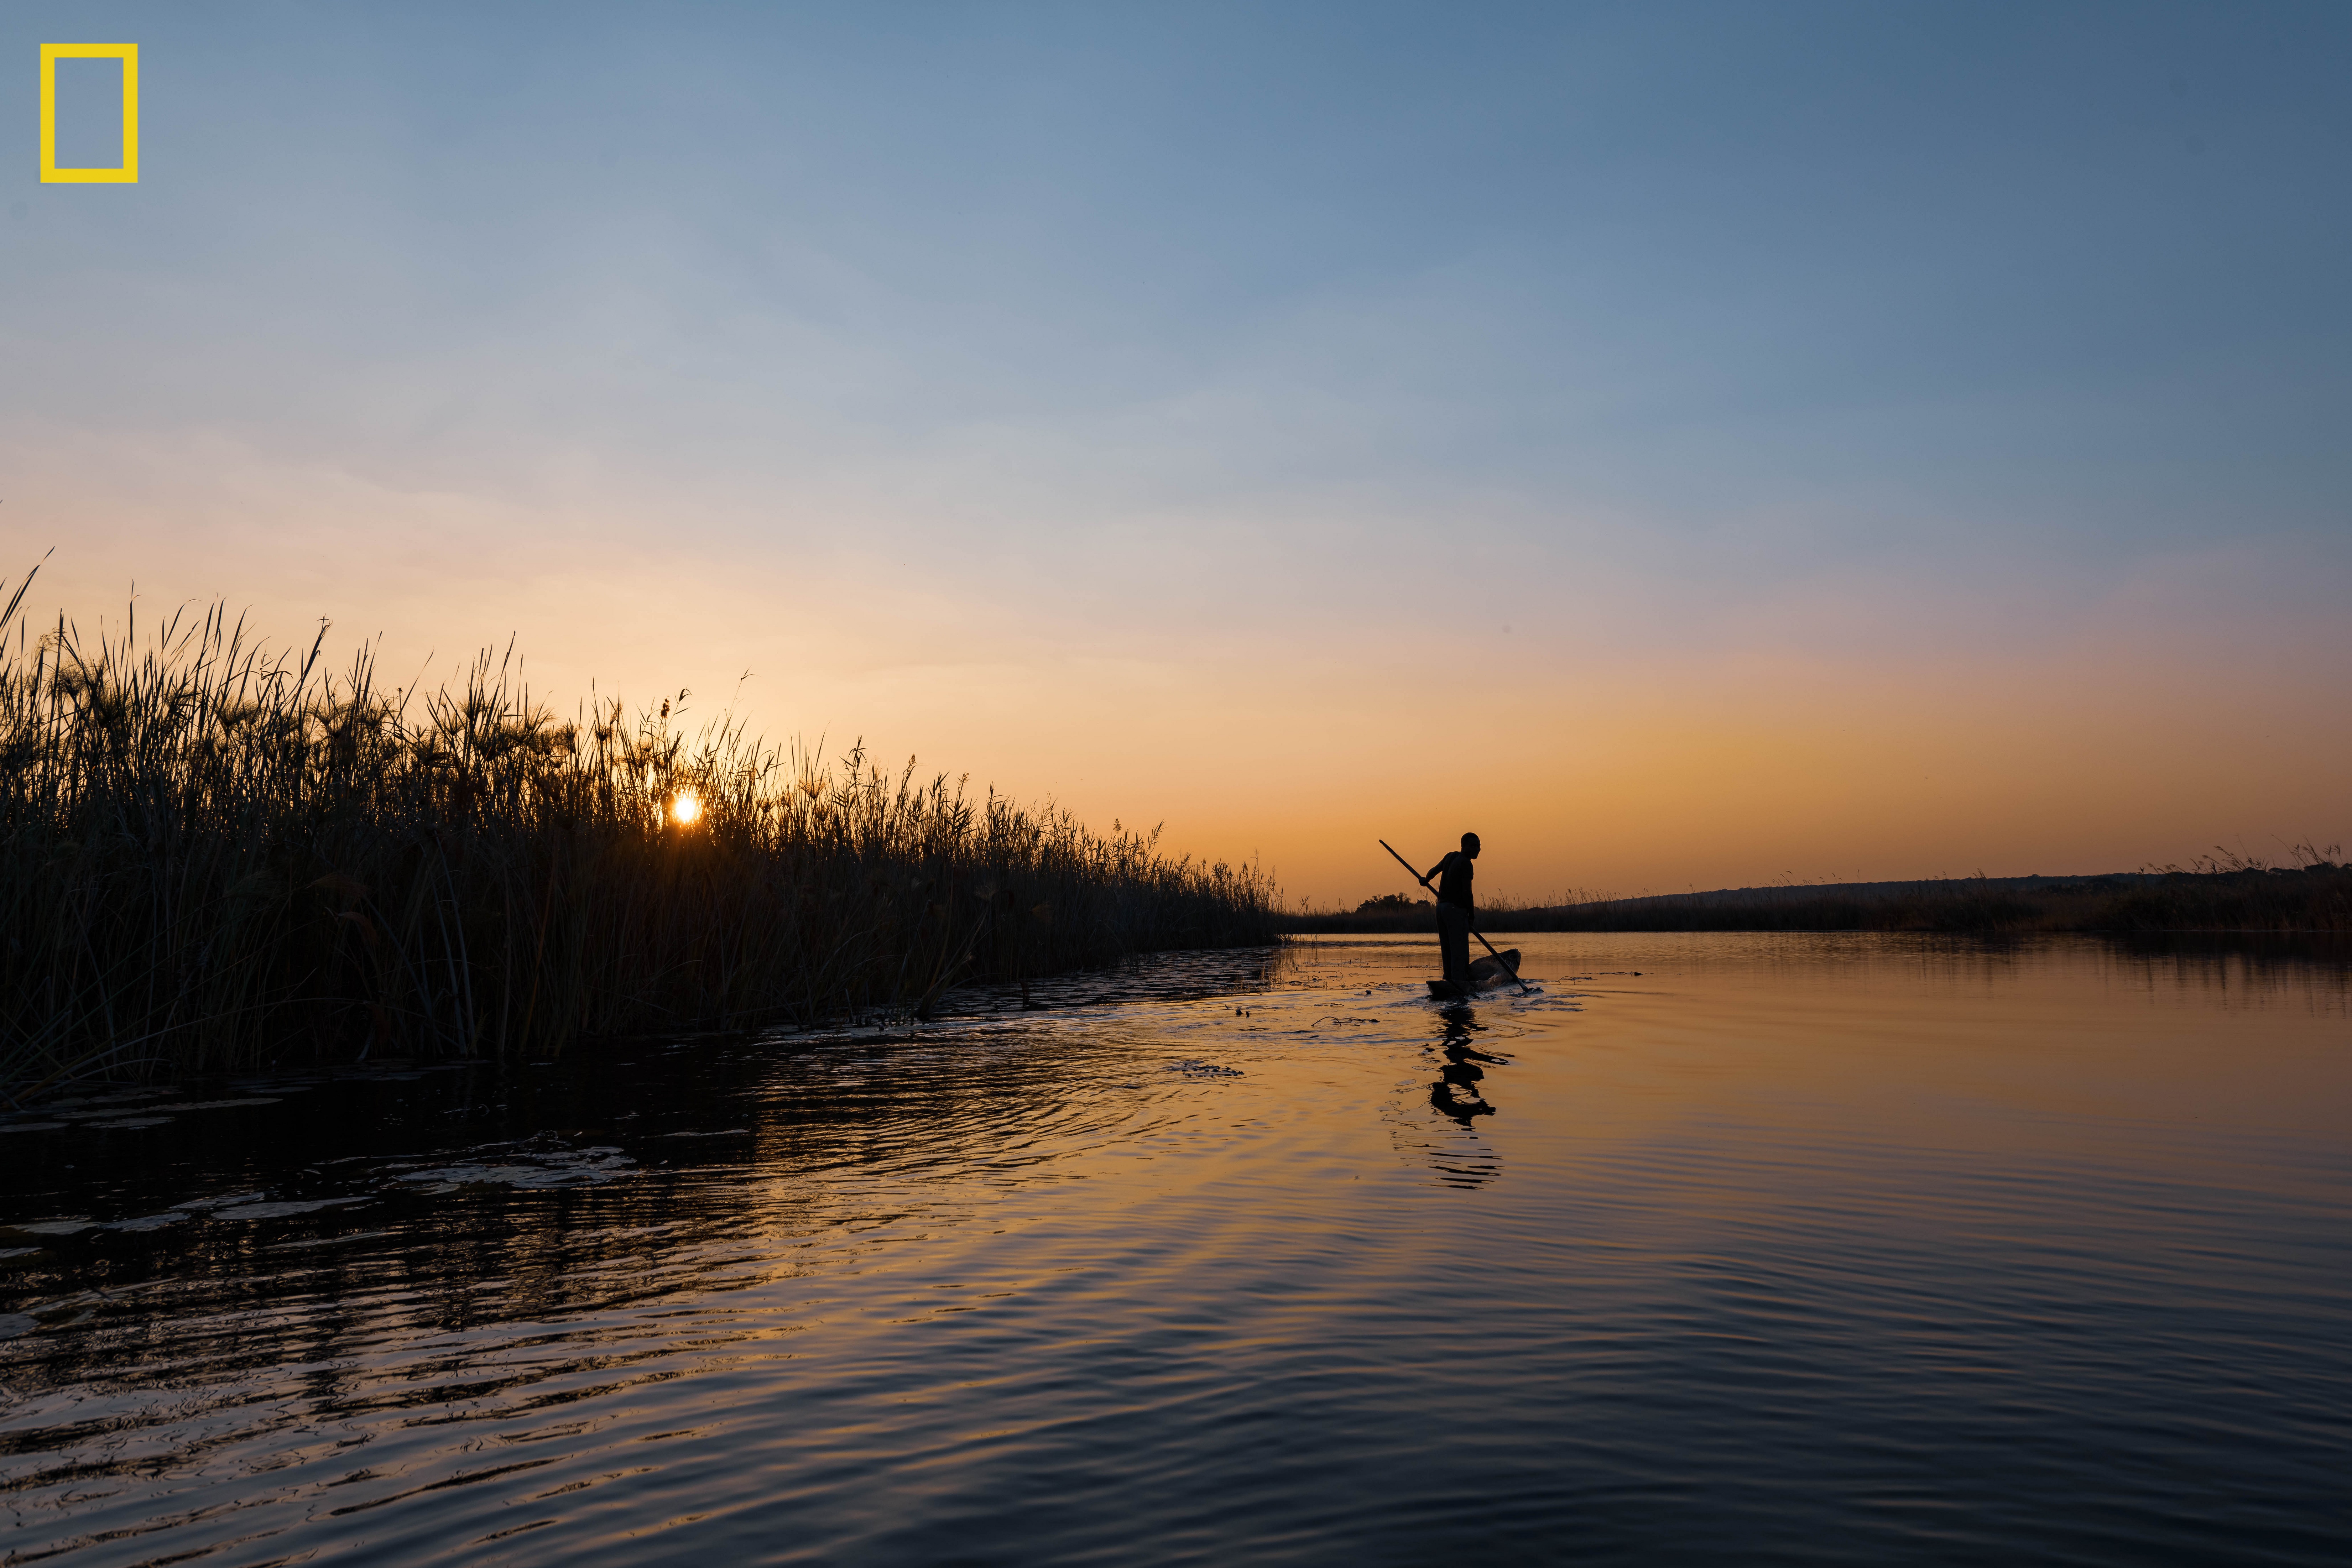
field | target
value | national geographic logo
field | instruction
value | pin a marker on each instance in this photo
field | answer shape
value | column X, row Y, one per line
column 128, row 173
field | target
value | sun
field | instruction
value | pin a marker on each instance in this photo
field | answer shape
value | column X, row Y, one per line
column 687, row 806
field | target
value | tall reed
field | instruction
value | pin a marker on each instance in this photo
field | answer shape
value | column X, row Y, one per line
column 213, row 857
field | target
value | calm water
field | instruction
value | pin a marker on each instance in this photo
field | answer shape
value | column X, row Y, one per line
column 1809, row 1249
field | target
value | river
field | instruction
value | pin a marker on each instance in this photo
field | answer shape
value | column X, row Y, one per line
column 1714, row 1248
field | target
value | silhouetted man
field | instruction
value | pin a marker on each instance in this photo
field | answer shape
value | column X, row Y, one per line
column 1456, row 913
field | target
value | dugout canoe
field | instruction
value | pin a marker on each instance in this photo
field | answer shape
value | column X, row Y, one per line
column 1486, row 972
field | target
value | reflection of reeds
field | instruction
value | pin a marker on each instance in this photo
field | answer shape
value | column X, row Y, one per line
column 216, row 859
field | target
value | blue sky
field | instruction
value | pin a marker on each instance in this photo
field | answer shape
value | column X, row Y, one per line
column 1164, row 335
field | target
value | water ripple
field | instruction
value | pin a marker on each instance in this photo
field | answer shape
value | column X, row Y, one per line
column 1854, row 1251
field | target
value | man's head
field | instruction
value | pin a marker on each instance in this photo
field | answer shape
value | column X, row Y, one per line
column 1470, row 845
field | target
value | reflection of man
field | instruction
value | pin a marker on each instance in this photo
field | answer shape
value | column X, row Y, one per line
column 1456, row 1093
column 1455, row 911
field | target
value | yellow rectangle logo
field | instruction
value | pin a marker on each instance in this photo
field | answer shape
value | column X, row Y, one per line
column 128, row 54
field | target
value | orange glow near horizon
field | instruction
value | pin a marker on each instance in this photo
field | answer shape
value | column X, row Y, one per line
column 687, row 809
column 1793, row 484
column 1805, row 743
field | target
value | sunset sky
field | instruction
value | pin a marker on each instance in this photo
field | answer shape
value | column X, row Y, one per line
column 1689, row 445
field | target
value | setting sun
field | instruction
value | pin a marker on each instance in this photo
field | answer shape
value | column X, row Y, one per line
column 685, row 807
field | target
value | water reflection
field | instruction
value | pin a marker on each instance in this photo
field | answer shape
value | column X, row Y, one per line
column 1457, row 1091
column 1871, row 1249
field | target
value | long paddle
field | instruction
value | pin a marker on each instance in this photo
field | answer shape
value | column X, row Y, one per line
column 1524, row 987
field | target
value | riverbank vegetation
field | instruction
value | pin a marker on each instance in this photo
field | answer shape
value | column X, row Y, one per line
column 215, row 858
column 2224, row 893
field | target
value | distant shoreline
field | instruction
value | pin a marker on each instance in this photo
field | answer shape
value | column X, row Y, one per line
column 2315, row 897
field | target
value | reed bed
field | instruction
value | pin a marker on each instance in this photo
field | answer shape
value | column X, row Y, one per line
column 218, row 857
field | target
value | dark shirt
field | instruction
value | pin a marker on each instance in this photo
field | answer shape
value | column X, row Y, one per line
column 1454, row 880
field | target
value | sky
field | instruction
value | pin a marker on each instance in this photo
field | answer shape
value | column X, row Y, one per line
column 1688, row 444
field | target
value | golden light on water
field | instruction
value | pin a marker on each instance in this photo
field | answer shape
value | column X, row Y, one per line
column 686, row 807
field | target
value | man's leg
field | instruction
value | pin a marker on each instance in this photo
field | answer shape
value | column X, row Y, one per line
column 1453, row 942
